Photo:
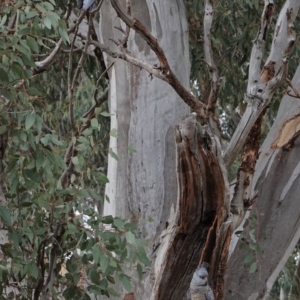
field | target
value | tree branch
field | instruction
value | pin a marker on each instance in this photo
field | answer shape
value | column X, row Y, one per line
column 212, row 69
column 164, row 71
column 279, row 39
column 259, row 93
column 41, row 65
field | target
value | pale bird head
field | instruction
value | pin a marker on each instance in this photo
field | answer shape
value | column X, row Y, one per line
column 200, row 276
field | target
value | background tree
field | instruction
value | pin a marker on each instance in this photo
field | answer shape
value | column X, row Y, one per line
column 53, row 146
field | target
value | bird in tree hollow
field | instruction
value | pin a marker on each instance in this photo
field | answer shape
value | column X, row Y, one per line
column 199, row 288
column 85, row 4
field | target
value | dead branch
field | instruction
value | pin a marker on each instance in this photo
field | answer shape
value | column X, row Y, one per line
column 203, row 196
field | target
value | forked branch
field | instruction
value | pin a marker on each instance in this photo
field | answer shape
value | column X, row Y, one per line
column 260, row 91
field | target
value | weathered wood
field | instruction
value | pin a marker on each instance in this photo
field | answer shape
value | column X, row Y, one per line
column 202, row 191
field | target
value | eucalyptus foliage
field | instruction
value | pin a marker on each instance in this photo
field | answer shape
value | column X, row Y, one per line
column 53, row 230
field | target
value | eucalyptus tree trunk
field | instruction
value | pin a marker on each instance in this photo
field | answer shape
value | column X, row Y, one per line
column 277, row 206
column 144, row 111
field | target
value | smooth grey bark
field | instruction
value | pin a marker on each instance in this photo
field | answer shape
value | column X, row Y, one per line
column 277, row 207
column 145, row 109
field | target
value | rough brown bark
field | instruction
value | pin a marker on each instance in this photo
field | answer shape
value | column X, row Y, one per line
column 202, row 190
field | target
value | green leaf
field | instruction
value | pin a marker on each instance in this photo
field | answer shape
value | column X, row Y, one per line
column 34, row 92
column 114, row 133
column 6, row 93
column 47, row 22
column 142, row 256
column 94, row 276
column 253, row 268
column 259, row 249
column 140, row 271
column 123, row 254
column 3, row 20
column 3, row 129
column 130, row 226
column 252, row 236
column 105, row 114
column 34, row 270
column 118, row 223
column 71, row 266
column 130, row 237
column 3, row 75
column 31, row 14
column 32, row 44
column 97, row 252
column 72, row 228
column 75, row 160
column 252, row 246
column 48, row 5
column 40, row 8
column 5, row 215
column 15, row 239
column 30, row 119
column 103, row 262
column 32, row 176
column 69, row 293
column 94, row 123
column 88, row 131
column 63, row 32
column 248, row 258
column 107, row 220
column 94, row 194
column 5, row 60
column 101, row 178
column 131, row 149
column 113, row 154
column 126, row 283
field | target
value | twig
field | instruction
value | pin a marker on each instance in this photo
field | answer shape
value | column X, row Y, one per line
column 100, row 77
column 293, row 88
column 70, row 85
column 128, row 11
column 68, row 12
column 41, row 65
column 97, row 8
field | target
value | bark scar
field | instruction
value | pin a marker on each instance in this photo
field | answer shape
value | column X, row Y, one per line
column 288, row 133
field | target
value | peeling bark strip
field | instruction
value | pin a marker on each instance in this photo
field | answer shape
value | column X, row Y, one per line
column 289, row 131
column 241, row 199
column 202, row 190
